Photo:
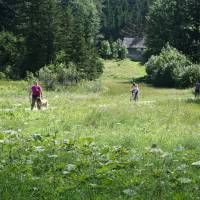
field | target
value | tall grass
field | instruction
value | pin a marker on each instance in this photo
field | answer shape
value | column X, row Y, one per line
column 93, row 143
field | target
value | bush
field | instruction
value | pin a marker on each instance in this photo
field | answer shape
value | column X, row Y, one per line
column 48, row 77
column 190, row 76
column 67, row 75
column 167, row 68
column 105, row 50
column 59, row 73
column 114, row 50
column 122, row 49
column 92, row 68
column 2, row 76
column 119, row 50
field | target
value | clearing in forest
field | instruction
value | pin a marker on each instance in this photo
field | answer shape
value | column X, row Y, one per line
column 93, row 143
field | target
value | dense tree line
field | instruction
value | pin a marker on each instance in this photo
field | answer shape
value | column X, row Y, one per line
column 176, row 22
column 124, row 18
column 34, row 32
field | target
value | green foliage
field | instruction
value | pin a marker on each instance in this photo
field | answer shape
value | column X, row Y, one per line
column 124, row 18
column 175, row 22
column 48, row 77
column 105, row 49
column 10, row 54
column 58, row 73
column 119, row 50
column 122, row 49
column 2, row 76
column 167, row 68
column 190, row 76
column 49, row 27
column 114, row 47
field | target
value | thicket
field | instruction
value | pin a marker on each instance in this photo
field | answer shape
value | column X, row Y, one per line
column 171, row 68
column 116, row 50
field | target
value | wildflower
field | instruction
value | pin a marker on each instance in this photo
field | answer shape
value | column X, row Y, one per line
column 71, row 167
column 182, row 167
column 11, row 132
column 184, row 180
column 156, row 150
column 65, row 172
column 197, row 164
column 52, row 156
column 56, row 142
column 2, row 141
column 129, row 192
column 39, row 149
column 180, row 148
column 29, row 162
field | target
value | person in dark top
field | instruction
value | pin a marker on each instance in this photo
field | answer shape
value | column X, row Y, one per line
column 36, row 93
column 197, row 89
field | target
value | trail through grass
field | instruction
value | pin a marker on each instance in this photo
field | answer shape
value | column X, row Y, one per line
column 93, row 143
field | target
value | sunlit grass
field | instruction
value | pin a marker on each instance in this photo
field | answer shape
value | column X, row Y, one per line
column 93, row 143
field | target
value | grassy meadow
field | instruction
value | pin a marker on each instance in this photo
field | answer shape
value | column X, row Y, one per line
column 93, row 143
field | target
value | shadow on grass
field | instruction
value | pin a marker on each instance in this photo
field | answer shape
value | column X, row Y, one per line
column 196, row 101
column 137, row 80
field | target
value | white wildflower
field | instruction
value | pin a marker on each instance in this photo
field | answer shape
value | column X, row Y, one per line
column 184, row 180
column 71, row 167
column 197, row 164
column 11, row 132
column 52, row 156
column 156, row 150
column 39, row 149
column 2, row 141
column 129, row 192
column 65, row 172
column 182, row 167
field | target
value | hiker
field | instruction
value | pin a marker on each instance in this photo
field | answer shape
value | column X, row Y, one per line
column 134, row 92
column 36, row 92
column 197, row 89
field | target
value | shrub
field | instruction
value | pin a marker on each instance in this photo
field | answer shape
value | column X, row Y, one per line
column 122, row 49
column 59, row 73
column 105, row 49
column 190, row 76
column 114, row 50
column 119, row 50
column 48, row 77
column 67, row 75
column 167, row 68
column 2, row 76
column 92, row 68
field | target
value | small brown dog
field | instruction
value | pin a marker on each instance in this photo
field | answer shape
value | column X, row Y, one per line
column 42, row 103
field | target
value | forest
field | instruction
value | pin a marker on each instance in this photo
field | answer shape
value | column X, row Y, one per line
column 82, row 119
column 36, row 34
